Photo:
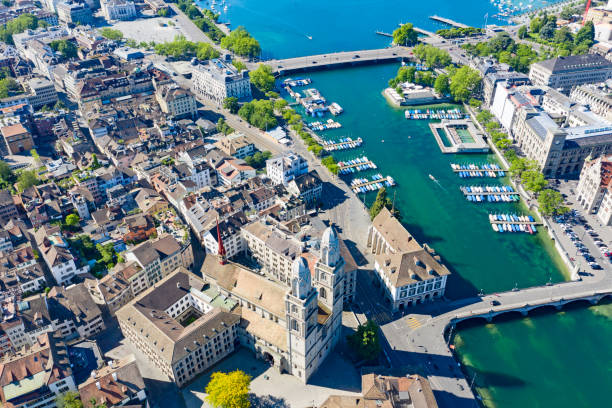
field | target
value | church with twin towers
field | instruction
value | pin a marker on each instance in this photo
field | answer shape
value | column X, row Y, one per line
column 290, row 317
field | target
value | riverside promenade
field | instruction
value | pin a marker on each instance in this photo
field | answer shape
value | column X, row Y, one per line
column 420, row 340
column 339, row 59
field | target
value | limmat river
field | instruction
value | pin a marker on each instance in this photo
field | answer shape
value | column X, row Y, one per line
column 547, row 360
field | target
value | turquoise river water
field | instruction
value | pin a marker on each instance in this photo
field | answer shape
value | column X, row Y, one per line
column 546, row 360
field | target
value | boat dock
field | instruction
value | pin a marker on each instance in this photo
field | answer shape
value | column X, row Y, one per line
column 358, row 164
column 329, row 124
column 342, row 144
column 448, row 21
column 473, row 170
column 378, row 181
column 513, row 223
column 491, row 194
column 384, row 34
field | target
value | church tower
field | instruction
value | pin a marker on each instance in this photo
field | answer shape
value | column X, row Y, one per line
column 329, row 272
column 301, row 318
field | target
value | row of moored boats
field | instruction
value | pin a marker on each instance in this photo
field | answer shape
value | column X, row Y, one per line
column 329, row 124
column 478, row 171
column 342, row 144
column 355, row 165
column 492, row 194
column 512, row 223
column 363, row 185
column 434, row 114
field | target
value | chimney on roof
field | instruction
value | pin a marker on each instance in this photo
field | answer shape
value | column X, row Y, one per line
column 98, row 386
column 114, row 374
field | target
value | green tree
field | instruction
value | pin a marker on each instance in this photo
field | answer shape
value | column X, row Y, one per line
column 551, row 203
column 223, row 127
column 240, row 66
column 547, row 31
column 65, row 47
column 72, row 220
column 280, row 104
column 262, row 78
column 69, row 399
column 586, row 35
column 205, row 51
column 9, row 86
column 533, row 180
column 229, row 390
column 566, row 13
column 111, row 34
column 405, row 35
column 563, row 36
column 535, row 25
column 7, row 177
column 520, row 165
column 259, row 113
column 163, row 12
column 231, row 104
column 240, row 42
column 381, row 202
column 27, row 179
column 522, row 32
column 365, row 341
column 442, row 85
column 464, row 83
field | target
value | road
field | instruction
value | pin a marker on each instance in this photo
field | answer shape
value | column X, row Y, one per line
column 384, row 54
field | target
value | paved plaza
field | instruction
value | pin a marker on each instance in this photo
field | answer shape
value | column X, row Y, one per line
column 269, row 388
column 158, row 29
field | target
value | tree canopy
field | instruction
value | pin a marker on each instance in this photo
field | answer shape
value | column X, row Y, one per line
column 464, row 83
column 551, row 203
column 19, row 25
column 240, row 42
column 262, row 78
column 259, row 113
column 223, row 127
column 383, row 201
column 67, row 48
column 365, row 341
column 231, row 104
column 69, row 399
column 405, row 35
column 182, row 48
column 111, row 34
column 229, row 390
column 9, row 86
column 27, row 179
column 431, row 56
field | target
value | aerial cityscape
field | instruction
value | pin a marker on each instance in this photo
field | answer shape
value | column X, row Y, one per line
column 305, row 204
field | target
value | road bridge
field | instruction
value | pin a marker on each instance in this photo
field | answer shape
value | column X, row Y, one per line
column 421, row 338
column 339, row 59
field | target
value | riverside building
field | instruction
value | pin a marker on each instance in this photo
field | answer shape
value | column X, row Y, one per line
column 566, row 72
column 409, row 273
column 219, row 79
column 551, row 128
column 593, row 192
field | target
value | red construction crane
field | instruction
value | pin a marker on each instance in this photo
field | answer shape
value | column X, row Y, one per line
column 586, row 10
column 221, row 250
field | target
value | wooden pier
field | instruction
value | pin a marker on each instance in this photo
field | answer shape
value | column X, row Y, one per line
column 384, row 34
column 475, row 170
column 368, row 163
column 338, row 146
column 370, row 182
column 487, row 193
column 516, row 222
column 448, row 21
